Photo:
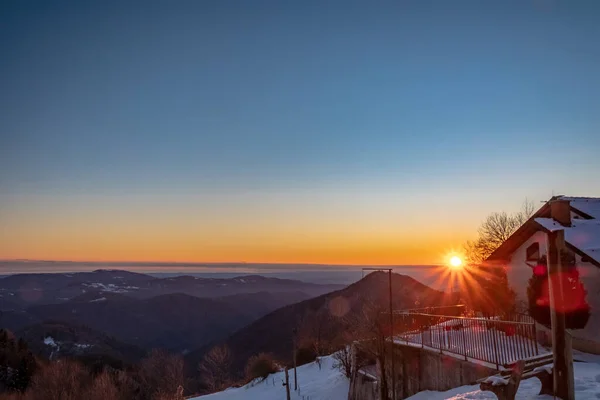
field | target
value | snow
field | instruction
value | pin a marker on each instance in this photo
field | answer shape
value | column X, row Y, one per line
column 584, row 234
column 98, row 299
column 82, row 346
column 587, row 387
column 547, row 368
column 496, row 380
column 111, row 287
column 49, row 341
column 325, row 383
column 481, row 340
column 588, row 205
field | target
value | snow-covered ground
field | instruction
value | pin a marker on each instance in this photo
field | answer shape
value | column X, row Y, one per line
column 326, row 383
column 587, row 387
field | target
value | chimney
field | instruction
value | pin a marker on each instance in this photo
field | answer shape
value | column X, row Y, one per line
column 560, row 211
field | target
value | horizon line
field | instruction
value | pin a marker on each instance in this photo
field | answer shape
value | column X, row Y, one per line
column 209, row 263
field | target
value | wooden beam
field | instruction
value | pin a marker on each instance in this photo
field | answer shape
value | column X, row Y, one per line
column 287, row 384
column 561, row 345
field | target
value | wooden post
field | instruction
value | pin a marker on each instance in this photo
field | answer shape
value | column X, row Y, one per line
column 392, row 339
column 494, row 336
column 287, row 384
column 563, row 359
column 295, row 351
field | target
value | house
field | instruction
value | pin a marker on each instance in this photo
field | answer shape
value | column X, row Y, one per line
column 521, row 253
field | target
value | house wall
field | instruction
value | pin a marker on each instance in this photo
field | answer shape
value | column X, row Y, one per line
column 417, row 370
column 517, row 270
column 363, row 388
column 518, row 274
column 590, row 336
column 422, row 369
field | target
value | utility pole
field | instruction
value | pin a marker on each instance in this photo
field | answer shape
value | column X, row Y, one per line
column 295, row 345
column 561, row 345
column 392, row 338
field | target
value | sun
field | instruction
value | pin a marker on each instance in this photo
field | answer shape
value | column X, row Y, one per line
column 455, row 262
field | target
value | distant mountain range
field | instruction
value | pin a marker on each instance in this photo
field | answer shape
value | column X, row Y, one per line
column 115, row 317
column 23, row 290
column 177, row 313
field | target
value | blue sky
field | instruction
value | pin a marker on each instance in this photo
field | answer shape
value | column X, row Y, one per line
column 469, row 103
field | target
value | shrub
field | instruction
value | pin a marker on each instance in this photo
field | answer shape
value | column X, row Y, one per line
column 160, row 375
column 215, row 368
column 305, row 355
column 260, row 366
column 64, row 380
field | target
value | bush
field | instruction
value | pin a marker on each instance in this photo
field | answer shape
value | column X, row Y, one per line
column 64, row 380
column 215, row 368
column 160, row 375
column 305, row 355
column 260, row 366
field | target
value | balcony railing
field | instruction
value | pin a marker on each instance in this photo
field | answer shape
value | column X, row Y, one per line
column 494, row 340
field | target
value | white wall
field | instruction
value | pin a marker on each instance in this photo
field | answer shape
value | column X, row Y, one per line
column 518, row 274
column 590, row 277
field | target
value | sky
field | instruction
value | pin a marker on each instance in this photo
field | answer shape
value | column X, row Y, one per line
column 291, row 132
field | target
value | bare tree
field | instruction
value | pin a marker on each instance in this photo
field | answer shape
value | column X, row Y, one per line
column 494, row 230
column 215, row 368
column 61, row 380
column 161, row 375
column 261, row 366
column 486, row 288
column 343, row 361
column 369, row 328
column 313, row 333
column 103, row 388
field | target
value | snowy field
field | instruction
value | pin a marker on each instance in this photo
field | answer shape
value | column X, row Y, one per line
column 326, row 383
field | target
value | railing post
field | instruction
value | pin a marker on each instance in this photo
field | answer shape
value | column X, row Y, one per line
column 464, row 339
column 494, row 333
column 535, row 343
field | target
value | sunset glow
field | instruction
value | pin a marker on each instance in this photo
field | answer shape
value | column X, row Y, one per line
column 207, row 133
column 455, row 262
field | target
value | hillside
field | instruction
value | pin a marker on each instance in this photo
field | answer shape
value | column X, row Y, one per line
column 173, row 321
column 52, row 340
column 177, row 322
column 330, row 313
column 257, row 305
column 324, row 383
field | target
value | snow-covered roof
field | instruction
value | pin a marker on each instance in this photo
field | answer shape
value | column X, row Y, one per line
column 582, row 236
column 587, row 205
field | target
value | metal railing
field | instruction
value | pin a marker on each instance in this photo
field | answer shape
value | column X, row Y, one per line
column 492, row 340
